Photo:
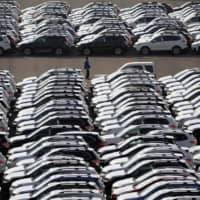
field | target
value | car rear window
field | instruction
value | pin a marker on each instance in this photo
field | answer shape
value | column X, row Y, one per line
column 180, row 137
column 155, row 121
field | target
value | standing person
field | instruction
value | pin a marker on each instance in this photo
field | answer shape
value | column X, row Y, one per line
column 87, row 68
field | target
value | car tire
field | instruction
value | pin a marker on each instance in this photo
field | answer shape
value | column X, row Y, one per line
column 58, row 51
column 176, row 50
column 87, row 51
column 1, row 52
column 118, row 51
column 27, row 51
column 145, row 51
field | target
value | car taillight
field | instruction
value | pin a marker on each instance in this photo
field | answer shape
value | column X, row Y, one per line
column 192, row 142
column 173, row 126
column 96, row 162
column 190, row 40
column 2, row 128
column 101, row 144
column 183, row 41
column 6, row 43
column 12, row 41
column 5, row 144
column 189, row 160
column 88, row 128
column 158, row 91
column 114, row 196
column 66, row 42
column 10, row 93
column 1, row 162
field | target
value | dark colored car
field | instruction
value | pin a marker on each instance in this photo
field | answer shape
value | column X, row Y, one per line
column 116, row 43
column 45, row 44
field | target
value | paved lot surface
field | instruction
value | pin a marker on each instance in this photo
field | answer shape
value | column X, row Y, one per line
column 166, row 64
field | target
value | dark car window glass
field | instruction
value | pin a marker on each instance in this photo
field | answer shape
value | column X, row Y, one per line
column 100, row 40
column 138, row 121
column 1, row 38
column 142, row 170
column 136, row 67
column 141, row 20
column 195, row 19
column 145, row 130
column 180, row 137
column 148, row 19
column 41, row 40
column 109, row 39
column 163, row 121
column 171, row 38
column 151, row 121
column 194, row 95
column 149, row 68
column 158, row 39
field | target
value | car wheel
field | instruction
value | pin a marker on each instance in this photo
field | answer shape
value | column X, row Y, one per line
column 1, row 51
column 27, row 51
column 87, row 51
column 118, row 51
column 59, row 51
column 145, row 51
column 176, row 51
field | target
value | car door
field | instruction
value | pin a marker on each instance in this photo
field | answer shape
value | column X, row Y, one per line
column 52, row 42
column 169, row 41
column 109, row 42
column 157, row 44
column 40, row 44
column 99, row 43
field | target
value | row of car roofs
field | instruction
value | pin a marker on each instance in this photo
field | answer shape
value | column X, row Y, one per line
column 53, row 152
column 120, row 139
column 7, row 97
column 145, row 153
column 182, row 95
column 100, row 26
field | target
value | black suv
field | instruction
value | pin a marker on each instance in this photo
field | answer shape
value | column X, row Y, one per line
column 45, row 44
column 114, row 42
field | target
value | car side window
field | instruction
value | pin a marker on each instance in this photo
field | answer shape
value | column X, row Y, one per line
column 1, row 38
column 132, row 132
column 41, row 40
column 100, row 40
column 195, row 19
column 109, row 39
column 141, row 20
column 180, row 137
column 171, row 38
column 138, row 121
column 158, row 39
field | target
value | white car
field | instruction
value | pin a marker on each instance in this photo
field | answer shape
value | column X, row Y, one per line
column 196, row 46
column 161, row 42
